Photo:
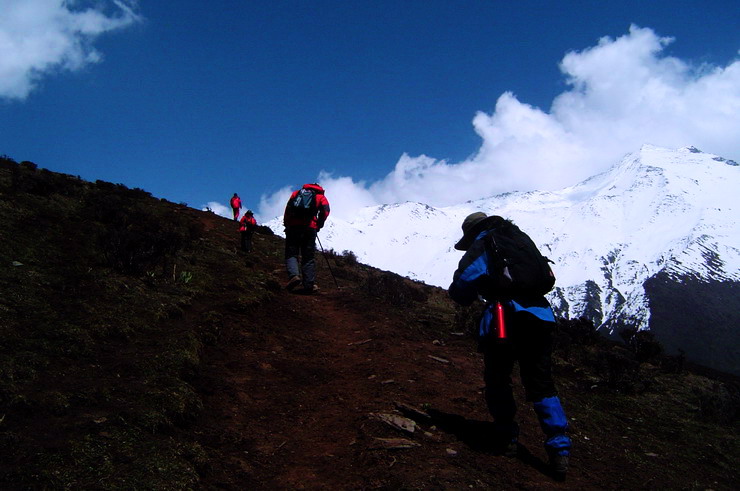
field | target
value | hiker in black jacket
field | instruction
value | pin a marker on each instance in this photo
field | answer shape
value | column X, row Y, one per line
column 527, row 324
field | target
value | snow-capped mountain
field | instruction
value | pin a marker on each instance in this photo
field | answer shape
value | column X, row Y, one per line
column 659, row 213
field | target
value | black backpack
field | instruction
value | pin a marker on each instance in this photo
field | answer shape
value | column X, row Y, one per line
column 516, row 267
column 304, row 204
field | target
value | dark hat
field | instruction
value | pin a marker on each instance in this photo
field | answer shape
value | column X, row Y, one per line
column 249, row 212
column 471, row 227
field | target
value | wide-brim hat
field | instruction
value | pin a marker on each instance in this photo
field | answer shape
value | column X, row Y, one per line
column 473, row 225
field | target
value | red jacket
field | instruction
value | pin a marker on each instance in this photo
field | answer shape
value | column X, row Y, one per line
column 248, row 223
column 320, row 212
column 236, row 202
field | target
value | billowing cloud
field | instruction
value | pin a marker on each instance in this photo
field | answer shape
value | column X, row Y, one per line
column 38, row 37
column 621, row 94
column 273, row 205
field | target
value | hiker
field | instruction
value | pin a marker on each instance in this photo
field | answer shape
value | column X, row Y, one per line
column 305, row 214
column 247, row 228
column 528, row 321
column 236, row 205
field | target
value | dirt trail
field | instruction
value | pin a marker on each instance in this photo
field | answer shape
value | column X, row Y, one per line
column 291, row 392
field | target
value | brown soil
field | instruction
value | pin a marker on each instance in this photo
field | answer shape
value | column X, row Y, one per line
column 292, row 390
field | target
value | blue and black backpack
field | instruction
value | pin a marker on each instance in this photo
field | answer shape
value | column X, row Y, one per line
column 304, row 203
column 515, row 265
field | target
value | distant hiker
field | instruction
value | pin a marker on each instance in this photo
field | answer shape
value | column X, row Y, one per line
column 305, row 214
column 518, row 312
column 247, row 228
column 236, row 205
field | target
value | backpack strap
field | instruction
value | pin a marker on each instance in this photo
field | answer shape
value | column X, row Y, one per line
column 496, row 263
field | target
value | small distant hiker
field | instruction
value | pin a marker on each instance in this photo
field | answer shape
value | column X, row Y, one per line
column 236, row 205
column 305, row 214
column 247, row 228
column 516, row 325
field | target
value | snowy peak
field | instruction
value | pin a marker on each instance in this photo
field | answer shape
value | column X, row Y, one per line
column 658, row 212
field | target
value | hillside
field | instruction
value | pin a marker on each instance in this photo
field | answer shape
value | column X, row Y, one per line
column 141, row 349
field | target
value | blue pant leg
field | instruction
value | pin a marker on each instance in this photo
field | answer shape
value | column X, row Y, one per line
column 554, row 423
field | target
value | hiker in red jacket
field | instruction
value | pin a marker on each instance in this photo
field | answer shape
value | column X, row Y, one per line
column 305, row 214
column 247, row 228
column 236, row 205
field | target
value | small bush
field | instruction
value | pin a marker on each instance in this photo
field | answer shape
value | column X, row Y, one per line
column 26, row 179
column 642, row 343
column 619, row 371
column 349, row 258
column 7, row 161
column 467, row 318
column 674, row 363
column 264, row 230
column 578, row 331
column 720, row 403
column 394, row 289
column 135, row 237
column 134, row 246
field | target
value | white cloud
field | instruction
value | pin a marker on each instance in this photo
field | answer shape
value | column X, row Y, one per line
column 345, row 195
column 622, row 93
column 273, row 205
column 38, row 37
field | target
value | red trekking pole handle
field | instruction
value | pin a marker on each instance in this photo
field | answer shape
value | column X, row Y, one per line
column 500, row 324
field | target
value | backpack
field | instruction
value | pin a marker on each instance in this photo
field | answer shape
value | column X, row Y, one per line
column 516, row 267
column 304, row 203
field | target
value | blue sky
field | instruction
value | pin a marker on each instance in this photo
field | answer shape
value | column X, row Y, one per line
column 380, row 101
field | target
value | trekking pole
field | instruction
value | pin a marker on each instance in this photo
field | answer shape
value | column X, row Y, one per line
column 327, row 261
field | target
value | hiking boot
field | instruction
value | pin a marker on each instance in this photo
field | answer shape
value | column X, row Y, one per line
column 293, row 282
column 310, row 290
column 559, row 464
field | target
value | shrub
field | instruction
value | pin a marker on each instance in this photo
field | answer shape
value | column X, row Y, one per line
column 394, row 289
column 25, row 178
column 7, row 161
column 720, row 403
column 642, row 343
column 621, row 372
column 264, row 230
column 674, row 363
column 350, row 258
column 578, row 331
column 137, row 243
column 133, row 238
column 467, row 318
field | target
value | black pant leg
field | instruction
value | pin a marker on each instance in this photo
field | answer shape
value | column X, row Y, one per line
column 498, row 362
column 532, row 338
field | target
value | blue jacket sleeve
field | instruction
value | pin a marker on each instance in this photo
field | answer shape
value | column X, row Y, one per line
column 472, row 268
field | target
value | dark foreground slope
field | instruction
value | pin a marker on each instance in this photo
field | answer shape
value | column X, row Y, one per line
column 142, row 350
